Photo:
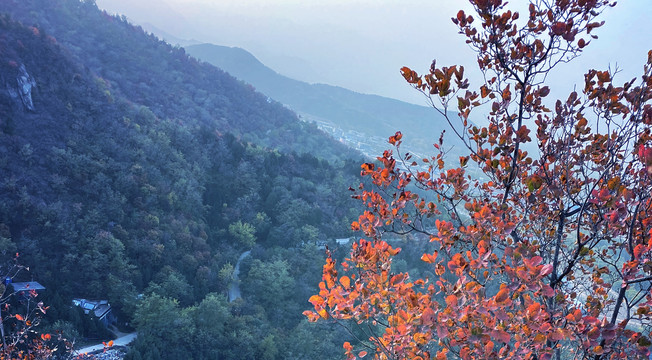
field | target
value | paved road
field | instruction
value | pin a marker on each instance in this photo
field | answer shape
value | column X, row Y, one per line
column 234, row 289
column 121, row 341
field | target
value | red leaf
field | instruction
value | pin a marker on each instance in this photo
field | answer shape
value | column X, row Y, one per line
column 558, row 28
column 545, row 270
column 484, row 91
column 501, row 335
column 395, row 138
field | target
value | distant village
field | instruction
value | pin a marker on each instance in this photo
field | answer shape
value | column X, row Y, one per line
column 370, row 146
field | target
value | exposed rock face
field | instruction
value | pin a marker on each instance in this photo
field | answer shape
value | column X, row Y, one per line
column 21, row 90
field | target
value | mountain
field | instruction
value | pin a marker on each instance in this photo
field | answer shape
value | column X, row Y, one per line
column 147, row 71
column 365, row 120
column 147, row 16
column 134, row 173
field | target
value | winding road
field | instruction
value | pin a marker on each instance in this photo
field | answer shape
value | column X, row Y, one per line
column 125, row 339
column 121, row 341
column 234, row 289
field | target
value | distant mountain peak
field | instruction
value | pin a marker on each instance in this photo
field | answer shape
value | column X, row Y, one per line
column 167, row 37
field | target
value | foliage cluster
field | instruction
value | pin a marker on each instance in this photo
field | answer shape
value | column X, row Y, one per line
column 549, row 253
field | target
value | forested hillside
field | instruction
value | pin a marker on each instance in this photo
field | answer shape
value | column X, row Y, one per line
column 130, row 168
column 150, row 72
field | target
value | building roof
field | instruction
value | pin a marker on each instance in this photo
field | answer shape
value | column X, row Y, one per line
column 343, row 241
column 100, row 308
column 27, row 286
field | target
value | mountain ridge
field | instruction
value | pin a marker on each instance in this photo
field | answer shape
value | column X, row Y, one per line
column 372, row 115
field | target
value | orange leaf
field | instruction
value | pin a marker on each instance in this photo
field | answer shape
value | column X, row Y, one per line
column 489, row 347
column 312, row 317
column 345, row 281
column 19, row 317
column 442, row 355
column 429, row 258
column 451, row 300
column 316, row 300
column 502, row 295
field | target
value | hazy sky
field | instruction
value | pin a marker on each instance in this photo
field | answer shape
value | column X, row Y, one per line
column 362, row 44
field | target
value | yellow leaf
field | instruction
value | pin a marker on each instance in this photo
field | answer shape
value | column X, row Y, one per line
column 323, row 313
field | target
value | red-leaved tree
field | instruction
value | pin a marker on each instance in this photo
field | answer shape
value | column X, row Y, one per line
column 20, row 317
column 545, row 255
column 18, row 337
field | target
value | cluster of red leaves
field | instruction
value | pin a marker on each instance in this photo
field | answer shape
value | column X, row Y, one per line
column 20, row 339
column 538, row 257
column 23, row 343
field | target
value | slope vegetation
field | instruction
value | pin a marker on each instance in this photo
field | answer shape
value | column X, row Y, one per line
column 130, row 168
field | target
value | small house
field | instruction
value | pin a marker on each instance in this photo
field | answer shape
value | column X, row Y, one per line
column 99, row 308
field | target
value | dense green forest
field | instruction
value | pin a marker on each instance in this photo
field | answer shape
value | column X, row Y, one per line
column 134, row 173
